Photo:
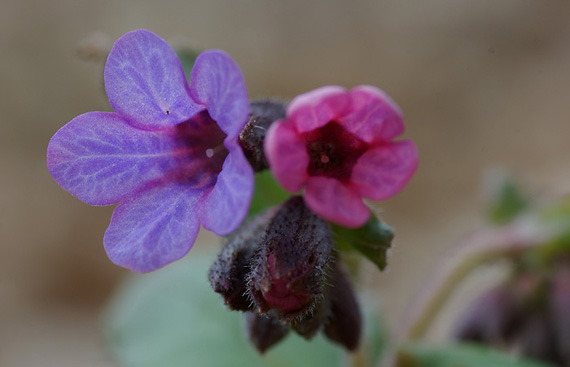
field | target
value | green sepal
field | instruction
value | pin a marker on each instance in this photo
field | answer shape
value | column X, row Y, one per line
column 371, row 240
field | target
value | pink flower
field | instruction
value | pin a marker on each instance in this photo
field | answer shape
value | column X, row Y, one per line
column 339, row 145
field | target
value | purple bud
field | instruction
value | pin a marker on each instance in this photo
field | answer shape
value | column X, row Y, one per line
column 491, row 318
column 344, row 324
column 289, row 270
column 309, row 323
column 560, row 312
column 536, row 340
column 262, row 114
column 264, row 331
column 228, row 274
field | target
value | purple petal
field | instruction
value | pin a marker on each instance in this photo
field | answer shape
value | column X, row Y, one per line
column 287, row 156
column 226, row 206
column 154, row 228
column 217, row 83
column 336, row 202
column 318, row 107
column 374, row 116
column 145, row 82
column 101, row 159
column 382, row 172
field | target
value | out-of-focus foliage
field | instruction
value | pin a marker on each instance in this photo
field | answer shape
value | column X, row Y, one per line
column 508, row 200
column 267, row 193
column 466, row 355
column 173, row 318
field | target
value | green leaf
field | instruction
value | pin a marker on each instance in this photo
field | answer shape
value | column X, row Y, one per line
column 267, row 193
column 460, row 355
column 372, row 240
column 187, row 58
column 173, row 318
column 376, row 336
column 508, row 202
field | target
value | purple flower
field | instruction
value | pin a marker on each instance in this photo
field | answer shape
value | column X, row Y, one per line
column 169, row 154
column 340, row 146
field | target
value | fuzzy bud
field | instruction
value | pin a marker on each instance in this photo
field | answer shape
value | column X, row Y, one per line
column 264, row 331
column 536, row 340
column 560, row 311
column 490, row 319
column 344, row 324
column 228, row 274
column 289, row 271
column 262, row 114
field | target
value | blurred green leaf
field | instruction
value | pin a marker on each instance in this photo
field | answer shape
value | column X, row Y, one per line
column 173, row 318
column 376, row 338
column 555, row 219
column 187, row 58
column 267, row 193
column 460, row 355
column 508, row 201
column 372, row 240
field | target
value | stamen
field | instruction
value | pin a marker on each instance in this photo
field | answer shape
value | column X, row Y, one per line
column 325, row 159
column 209, row 153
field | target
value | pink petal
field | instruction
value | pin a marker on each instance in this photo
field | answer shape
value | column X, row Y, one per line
column 101, row 159
column 318, row 107
column 287, row 156
column 335, row 202
column 227, row 204
column 217, row 83
column 384, row 171
column 145, row 82
column 374, row 116
column 154, row 228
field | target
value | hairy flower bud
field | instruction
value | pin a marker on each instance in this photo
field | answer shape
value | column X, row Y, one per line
column 289, row 270
column 264, row 331
column 344, row 324
column 559, row 312
column 490, row 319
column 309, row 323
column 262, row 114
column 536, row 340
column 228, row 274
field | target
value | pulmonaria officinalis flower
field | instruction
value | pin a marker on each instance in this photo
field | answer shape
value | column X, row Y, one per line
column 169, row 154
column 339, row 145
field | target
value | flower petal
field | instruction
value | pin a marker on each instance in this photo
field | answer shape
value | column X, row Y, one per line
column 287, row 155
column 226, row 206
column 382, row 172
column 217, row 83
column 154, row 228
column 374, row 116
column 145, row 82
column 101, row 159
column 316, row 108
column 335, row 202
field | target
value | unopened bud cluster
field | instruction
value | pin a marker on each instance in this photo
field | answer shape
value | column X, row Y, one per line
column 279, row 269
column 529, row 314
column 262, row 114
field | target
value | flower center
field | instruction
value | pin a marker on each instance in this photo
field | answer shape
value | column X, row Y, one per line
column 333, row 151
column 199, row 151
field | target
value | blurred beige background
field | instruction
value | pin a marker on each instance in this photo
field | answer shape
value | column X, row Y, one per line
column 481, row 83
